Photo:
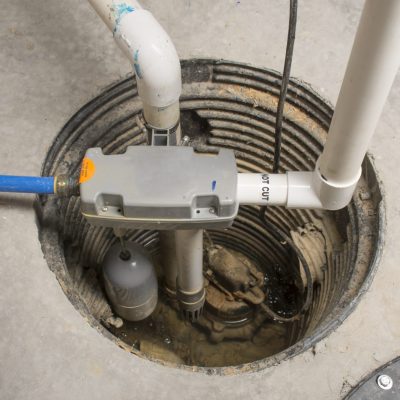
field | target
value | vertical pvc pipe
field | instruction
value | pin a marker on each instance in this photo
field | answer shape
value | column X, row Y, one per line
column 189, row 244
column 190, row 281
column 372, row 67
column 169, row 260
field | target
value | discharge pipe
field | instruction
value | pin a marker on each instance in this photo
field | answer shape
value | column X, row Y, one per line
column 190, row 281
column 371, row 70
column 153, row 58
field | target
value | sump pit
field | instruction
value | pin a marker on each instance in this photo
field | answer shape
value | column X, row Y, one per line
column 232, row 106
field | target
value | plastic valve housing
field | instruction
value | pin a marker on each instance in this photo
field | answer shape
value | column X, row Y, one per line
column 159, row 188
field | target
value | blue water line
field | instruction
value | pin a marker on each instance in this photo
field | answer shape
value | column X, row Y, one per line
column 27, row 184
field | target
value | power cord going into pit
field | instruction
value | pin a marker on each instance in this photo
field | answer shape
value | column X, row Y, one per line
column 284, row 84
column 275, row 231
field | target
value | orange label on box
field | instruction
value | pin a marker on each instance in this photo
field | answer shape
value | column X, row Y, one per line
column 87, row 170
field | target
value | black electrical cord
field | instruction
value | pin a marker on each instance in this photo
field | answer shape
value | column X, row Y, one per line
column 284, row 85
column 275, row 231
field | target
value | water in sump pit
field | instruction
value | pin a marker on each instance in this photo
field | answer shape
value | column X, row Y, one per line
column 167, row 337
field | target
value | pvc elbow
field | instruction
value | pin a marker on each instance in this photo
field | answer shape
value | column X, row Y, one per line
column 312, row 190
column 153, row 57
column 333, row 194
column 301, row 193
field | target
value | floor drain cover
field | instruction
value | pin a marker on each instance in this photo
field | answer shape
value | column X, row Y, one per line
column 383, row 384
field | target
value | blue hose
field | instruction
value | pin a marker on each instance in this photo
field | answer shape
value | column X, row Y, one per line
column 27, row 184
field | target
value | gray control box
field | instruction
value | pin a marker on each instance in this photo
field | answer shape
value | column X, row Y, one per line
column 159, row 188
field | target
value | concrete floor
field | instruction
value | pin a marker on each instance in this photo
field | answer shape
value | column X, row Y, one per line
column 57, row 55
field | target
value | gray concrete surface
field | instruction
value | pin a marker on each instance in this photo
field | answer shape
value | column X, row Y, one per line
column 57, row 55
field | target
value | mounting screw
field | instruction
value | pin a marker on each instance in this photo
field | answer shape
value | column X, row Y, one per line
column 211, row 210
column 104, row 209
column 385, row 382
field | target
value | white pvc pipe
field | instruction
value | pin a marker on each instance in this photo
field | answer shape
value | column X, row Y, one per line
column 169, row 259
column 189, row 251
column 292, row 190
column 267, row 189
column 110, row 11
column 372, row 67
column 163, row 118
column 152, row 55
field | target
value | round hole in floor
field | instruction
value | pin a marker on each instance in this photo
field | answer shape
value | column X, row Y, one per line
column 223, row 105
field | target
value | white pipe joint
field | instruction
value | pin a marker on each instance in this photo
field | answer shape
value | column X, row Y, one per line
column 292, row 190
column 334, row 194
column 370, row 72
column 372, row 67
column 152, row 55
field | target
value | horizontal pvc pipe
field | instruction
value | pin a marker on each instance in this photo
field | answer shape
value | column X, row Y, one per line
column 371, row 70
column 26, row 184
column 267, row 189
column 293, row 190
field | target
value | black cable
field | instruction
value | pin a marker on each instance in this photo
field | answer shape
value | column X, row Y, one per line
column 275, row 231
column 284, row 85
